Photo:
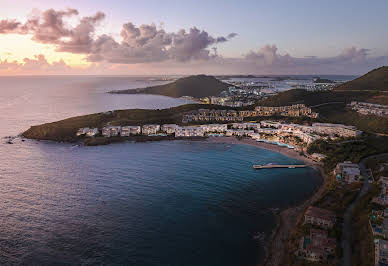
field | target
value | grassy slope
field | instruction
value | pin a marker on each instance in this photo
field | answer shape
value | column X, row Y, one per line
column 65, row 130
column 376, row 79
column 195, row 86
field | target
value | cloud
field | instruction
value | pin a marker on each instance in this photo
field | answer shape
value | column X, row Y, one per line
column 267, row 60
column 148, row 46
column 38, row 64
column 8, row 26
column 146, row 43
column 140, row 44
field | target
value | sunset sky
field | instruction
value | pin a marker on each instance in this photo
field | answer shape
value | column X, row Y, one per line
column 188, row 37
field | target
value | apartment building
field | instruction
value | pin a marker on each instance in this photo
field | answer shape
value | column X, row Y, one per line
column 319, row 217
column 127, row 131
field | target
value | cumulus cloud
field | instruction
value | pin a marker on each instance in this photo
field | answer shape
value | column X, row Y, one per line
column 150, row 47
column 145, row 43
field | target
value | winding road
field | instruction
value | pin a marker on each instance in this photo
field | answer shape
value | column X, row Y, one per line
column 347, row 225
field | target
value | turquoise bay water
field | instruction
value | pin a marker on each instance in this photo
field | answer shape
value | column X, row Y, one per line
column 158, row 203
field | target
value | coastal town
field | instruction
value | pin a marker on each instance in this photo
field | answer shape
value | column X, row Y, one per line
column 344, row 219
column 317, row 242
column 293, row 136
column 369, row 108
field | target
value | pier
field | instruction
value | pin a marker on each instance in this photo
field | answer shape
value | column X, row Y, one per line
column 269, row 166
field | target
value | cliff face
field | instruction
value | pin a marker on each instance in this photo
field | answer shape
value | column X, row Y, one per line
column 194, row 86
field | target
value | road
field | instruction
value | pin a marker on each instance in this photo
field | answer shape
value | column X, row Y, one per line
column 322, row 104
column 347, row 225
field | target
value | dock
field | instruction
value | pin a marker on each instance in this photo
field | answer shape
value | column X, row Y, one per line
column 269, row 166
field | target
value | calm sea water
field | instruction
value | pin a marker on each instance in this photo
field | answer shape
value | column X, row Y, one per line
column 161, row 203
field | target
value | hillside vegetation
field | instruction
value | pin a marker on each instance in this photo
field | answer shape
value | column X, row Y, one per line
column 65, row 130
column 194, row 86
column 375, row 80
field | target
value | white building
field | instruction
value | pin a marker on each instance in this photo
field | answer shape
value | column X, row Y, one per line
column 306, row 137
column 169, row 128
column 239, row 132
column 92, row 132
column 111, row 131
column 127, row 131
column 269, row 131
column 271, row 124
column 82, row 131
column 189, row 131
column 336, row 129
column 348, row 172
column 150, row 129
column 219, row 128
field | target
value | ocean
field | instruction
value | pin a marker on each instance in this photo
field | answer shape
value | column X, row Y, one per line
column 157, row 203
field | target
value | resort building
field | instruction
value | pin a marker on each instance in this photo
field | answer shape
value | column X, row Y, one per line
column 382, row 199
column 189, row 131
column 219, row 128
column 150, row 129
column 370, row 108
column 169, row 128
column 381, row 252
column 239, row 132
column 347, row 172
column 247, row 125
column 320, row 217
column 127, row 131
column 306, row 137
column 212, row 115
column 335, row 129
column 111, row 131
column 317, row 246
column 295, row 110
column 247, row 113
column 82, row 131
column 271, row 124
column 92, row 132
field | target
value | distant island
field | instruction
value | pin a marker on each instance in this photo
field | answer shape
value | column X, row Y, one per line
column 321, row 80
column 194, row 86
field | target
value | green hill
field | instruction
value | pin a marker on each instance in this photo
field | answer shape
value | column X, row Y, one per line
column 194, row 86
column 375, row 80
column 65, row 130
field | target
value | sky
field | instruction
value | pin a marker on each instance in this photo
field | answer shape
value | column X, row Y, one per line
column 153, row 37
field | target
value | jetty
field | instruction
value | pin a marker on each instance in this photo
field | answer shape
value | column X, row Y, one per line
column 270, row 166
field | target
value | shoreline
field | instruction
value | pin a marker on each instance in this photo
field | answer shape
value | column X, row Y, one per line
column 288, row 218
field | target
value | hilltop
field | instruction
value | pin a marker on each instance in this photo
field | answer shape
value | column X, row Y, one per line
column 375, row 80
column 195, row 86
